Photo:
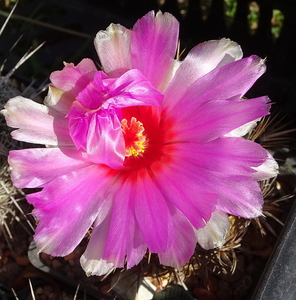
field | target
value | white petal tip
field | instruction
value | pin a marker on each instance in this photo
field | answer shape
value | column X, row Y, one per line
column 268, row 169
column 96, row 267
column 213, row 235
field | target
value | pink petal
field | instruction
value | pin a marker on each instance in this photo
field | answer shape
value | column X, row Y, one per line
column 58, row 100
column 132, row 89
column 104, row 141
column 37, row 123
column 197, row 202
column 240, row 196
column 201, row 60
column 94, row 119
column 113, row 48
column 34, row 167
column 79, row 122
column 91, row 261
column 216, row 118
column 182, row 242
column 124, row 240
column 116, row 237
column 99, row 134
column 231, row 156
column 226, row 167
column 213, row 235
column 154, row 44
column 237, row 194
column 152, row 214
column 230, row 81
column 96, row 92
column 72, row 78
column 67, row 207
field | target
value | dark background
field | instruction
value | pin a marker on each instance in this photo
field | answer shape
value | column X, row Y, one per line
column 87, row 17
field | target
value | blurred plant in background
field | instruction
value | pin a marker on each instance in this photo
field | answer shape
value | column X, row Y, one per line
column 57, row 23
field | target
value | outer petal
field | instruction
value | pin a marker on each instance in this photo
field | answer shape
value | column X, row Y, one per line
column 243, row 130
column 182, row 242
column 217, row 118
column 230, row 81
column 152, row 213
column 35, row 167
column 124, row 240
column 91, row 260
column 238, row 195
column 37, row 123
column 72, row 78
column 268, row 169
column 201, row 60
column 59, row 100
column 154, row 44
column 197, row 203
column 210, row 55
column 231, row 156
column 213, row 235
column 113, row 48
column 116, row 237
column 67, row 207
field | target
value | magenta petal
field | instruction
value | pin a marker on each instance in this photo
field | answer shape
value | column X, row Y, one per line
column 105, row 142
column 154, row 44
column 79, row 125
column 217, row 118
column 115, row 237
column 230, row 81
column 67, row 207
column 197, row 202
column 182, row 242
column 132, row 89
column 91, row 260
column 34, row 167
column 113, row 48
column 94, row 94
column 99, row 134
column 37, row 123
column 239, row 195
column 124, row 239
column 94, row 119
column 152, row 214
column 236, row 156
column 72, row 78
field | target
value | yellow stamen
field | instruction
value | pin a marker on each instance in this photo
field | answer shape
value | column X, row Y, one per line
column 135, row 141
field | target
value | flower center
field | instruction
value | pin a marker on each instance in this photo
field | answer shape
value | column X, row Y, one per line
column 135, row 141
